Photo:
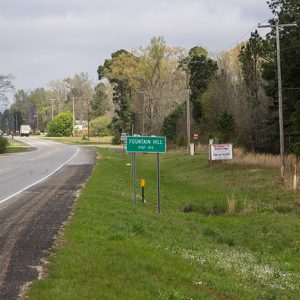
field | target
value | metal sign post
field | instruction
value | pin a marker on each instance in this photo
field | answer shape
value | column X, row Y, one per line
column 158, row 184
column 143, row 190
column 146, row 144
column 134, row 178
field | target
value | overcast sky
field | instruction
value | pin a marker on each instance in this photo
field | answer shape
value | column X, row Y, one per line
column 44, row 40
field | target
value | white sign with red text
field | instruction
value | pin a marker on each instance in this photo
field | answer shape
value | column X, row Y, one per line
column 221, row 151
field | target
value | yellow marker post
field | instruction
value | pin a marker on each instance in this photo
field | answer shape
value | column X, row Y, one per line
column 143, row 190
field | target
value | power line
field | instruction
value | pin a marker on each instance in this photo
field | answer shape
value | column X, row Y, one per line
column 241, row 38
column 296, row 46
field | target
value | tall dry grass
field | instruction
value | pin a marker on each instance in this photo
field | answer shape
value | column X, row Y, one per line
column 260, row 159
column 263, row 159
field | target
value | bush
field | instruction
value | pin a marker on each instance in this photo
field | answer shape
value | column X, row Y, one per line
column 181, row 141
column 3, row 144
column 296, row 150
column 169, row 127
column 225, row 126
column 100, row 126
column 61, row 125
column 116, row 139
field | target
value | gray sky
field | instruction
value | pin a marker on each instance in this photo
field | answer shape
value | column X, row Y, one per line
column 44, row 40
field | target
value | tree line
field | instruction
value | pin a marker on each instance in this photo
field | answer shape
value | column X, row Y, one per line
column 39, row 108
column 233, row 96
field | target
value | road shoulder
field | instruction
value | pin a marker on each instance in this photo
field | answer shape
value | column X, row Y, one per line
column 30, row 222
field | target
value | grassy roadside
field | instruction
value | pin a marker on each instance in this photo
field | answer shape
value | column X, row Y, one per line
column 225, row 232
column 105, row 140
column 16, row 149
column 15, row 146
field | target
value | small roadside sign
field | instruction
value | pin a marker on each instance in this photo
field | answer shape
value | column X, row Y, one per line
column 146, row 144
column 221, row 151
column 123, row 137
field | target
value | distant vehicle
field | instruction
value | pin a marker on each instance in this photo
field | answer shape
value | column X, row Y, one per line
column 25, row 130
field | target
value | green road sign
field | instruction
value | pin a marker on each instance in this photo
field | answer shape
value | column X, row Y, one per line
column 148, row 144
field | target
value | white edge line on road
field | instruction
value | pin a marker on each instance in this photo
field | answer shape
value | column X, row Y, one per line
column 31, row 185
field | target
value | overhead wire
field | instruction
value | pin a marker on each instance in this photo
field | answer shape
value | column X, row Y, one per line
column 292, row 47
column 242, row 37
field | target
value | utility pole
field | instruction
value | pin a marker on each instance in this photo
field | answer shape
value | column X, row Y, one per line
column 188, row 118
column 88, row 99
column 188, row 114
column 52, row 100
column 88, row 116
column 143, row 133
column 277, row 26
column 73, row 101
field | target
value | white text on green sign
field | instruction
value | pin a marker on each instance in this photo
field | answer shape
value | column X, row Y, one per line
column 155, row 144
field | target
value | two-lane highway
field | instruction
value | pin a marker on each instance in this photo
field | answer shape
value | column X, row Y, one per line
column 20, row 171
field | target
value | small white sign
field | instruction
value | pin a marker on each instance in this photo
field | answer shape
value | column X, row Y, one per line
column 123, row 137
column 192, row 148
column 221, row 151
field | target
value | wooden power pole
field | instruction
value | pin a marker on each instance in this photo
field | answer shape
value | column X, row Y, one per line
column 280, row 111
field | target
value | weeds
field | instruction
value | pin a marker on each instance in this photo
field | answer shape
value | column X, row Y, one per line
column 189, row 208
column 231, row 201
column 216, row 208
column 207, row 208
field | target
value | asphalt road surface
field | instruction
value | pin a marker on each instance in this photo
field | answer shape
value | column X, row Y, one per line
column 20, row 171
column 37, row 193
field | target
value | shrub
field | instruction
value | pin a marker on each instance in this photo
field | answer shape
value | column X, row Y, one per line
column 181, row 141
column 116, row 139
column 169, row 127
column 3, row 144
column 100, row 126
column 61, row 125
column 225, row 126
column 296, row 150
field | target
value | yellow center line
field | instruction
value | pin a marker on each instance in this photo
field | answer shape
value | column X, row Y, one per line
column 46, row 154
column 4, row 170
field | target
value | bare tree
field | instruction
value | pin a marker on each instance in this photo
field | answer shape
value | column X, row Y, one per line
column 82, row 90
column 58, row 90
column 160, row 83
column 5, row 87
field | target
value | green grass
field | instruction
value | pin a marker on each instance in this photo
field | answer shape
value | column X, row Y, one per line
column 15, row 146
column 16, row 149
column 106, row 140
column 195, row 249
